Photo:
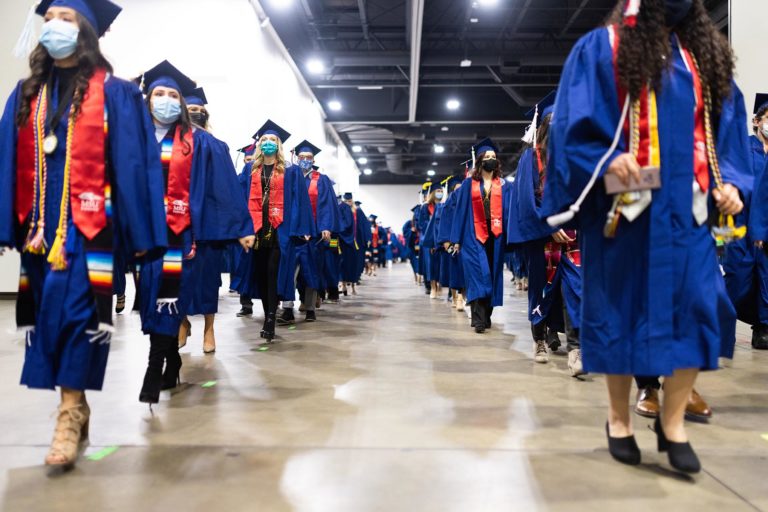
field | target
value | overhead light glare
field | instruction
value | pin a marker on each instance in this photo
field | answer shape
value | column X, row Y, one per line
column 362, row 160
column 431, row 172
column 444, row 129
column 434, row 164
column 334, row 105
column 367, row 171
column 439, row 148
column 281, row 3
column 357, row 149
column 315, row 66
column 473, row 20
column 369, row 87
column 465, row 63
column 488, row 3
column 453, row 104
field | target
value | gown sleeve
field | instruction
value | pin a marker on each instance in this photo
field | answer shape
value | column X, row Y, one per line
column 463, row 214
column 327, row 213
column 219, row 211
column 586, row 116
column 446, row 220
column 733, row 148
column 137, row 172
column 8, row 137
column 302, row 223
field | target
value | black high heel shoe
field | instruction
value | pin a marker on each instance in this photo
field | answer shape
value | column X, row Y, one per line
column 681, row 455
column 153, row 378
column 623, row 449
column 268, row 333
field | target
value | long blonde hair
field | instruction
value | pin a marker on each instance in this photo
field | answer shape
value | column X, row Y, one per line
column 258, row 156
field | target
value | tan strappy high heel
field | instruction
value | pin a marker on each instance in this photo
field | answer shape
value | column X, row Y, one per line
column 71, row 431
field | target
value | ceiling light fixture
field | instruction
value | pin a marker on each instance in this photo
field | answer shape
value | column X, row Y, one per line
column 370, row 87
column 439, row 148
column 281, row 3
column 434, row 164
column 453, row 104
column 315, row 66
column 444, row 129
column 367, row 171
column 473, row 20
column 334, row 105
column 362, row 160
column 357, row 149
column 465, row 63
column 488, row 3
column 431, row 172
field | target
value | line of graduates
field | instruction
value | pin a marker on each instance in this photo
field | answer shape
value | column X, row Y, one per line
column 100, row 175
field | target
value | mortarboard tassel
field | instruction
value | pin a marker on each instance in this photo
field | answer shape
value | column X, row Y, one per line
column 631, row 11
column 530, row 133
column 26, row 42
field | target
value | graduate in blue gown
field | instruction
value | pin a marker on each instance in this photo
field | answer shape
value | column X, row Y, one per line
column 552, row 254
column 376, row 247
column 281, row 220
column 350, row 240
column 204, row 208
column 113, row 205
column 411, row 238
column 482, row 210
column 234, row 251
column 455, row 270
column 309, row 255
column 744, row 263
column 654, row 299
column 364, row 234
column 430, row 254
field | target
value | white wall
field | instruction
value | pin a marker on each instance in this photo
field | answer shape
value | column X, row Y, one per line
column 392, row 203
column 246, row 77
column 747, row 29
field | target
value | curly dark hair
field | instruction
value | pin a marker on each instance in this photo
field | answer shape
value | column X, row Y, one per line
column 89, row 59
column 542, row 138
column 477, row 172
column 697, row 34
column 184, row 120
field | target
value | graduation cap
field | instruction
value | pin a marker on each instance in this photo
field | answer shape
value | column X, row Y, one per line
column 306, row 147
column 484, row 145
column 372, row 216
column 358, row 203
column 272, row 128
column 451, row 182
column 166, row 74
column 247, row 150
column 542, row 105
column 316, row 167
column 761, row 101
column 197, row 97
column 99, row 13
column 347, row 196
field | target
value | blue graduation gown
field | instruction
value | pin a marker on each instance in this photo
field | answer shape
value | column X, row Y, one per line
column 425, row 240
column 66, row 349
column 654, row 299
column 447, row 220
column 219, row 215
column 364, row 234
column 430, row 245
column 311, row 255
column 528, row 230
column 350, row 242
column 410, row 241
column 744, row 265
column 297, row 223
column 482, row 281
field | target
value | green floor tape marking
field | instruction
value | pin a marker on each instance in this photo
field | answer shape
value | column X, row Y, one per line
column 103, row 453
column 292, row 328
column 263, row 349
column 209, row 384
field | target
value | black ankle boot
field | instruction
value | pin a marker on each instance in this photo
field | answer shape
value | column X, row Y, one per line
column 153, row 378
column 171, row 377
column 681, row 455
column 268, row 333
column 623, row 449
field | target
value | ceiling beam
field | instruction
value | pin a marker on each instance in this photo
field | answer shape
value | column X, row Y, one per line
column 573, row 17
column 363, row 18
column 521, row 16
column 516, row 97
column 456, row 85
column 417, row 26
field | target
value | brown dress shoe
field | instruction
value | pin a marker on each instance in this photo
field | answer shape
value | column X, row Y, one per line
column 697, row 409
column 647, row 402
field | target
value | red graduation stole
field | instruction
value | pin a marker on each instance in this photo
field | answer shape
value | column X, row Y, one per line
column 481, row 226
column 313, row 192
column 179, row 175
column 276, row 199
column 375, row 236
column 431, row 208
column 648, row 149
column 88, row 180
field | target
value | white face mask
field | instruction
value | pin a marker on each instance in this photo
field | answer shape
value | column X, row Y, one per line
column 59, row 38
column 764, row 129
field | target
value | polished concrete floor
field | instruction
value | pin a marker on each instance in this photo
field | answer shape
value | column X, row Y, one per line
column 388, row 403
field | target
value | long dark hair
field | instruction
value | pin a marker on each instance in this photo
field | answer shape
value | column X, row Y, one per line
column 89, row 59
column 542, row 139
column 184, row 120
column 649, row 39
column 477, row 172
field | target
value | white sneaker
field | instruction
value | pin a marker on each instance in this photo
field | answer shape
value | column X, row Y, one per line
column 574, row 363
column 540, row 352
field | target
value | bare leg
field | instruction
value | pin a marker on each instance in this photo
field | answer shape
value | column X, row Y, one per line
column 677, row 390
column 209, row 339
column 184, row 331
column 619, row 420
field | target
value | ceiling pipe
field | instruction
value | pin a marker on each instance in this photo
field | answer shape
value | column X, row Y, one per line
column 417, row 25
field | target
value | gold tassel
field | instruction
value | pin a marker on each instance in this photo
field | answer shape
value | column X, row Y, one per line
column 58, row 255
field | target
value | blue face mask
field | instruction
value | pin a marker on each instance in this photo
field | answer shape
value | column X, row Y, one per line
column 59, row 38
column 305, row 164
column 268, row 147
column 165, row 109
column 439, row 196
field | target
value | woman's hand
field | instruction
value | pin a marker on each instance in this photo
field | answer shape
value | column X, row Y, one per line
column 446, row 245
column 625, row 167
column 456, row 248
column 561, row 237
column 728, row 200
column 327, row 236
column 759, row 244
column 247, row 242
